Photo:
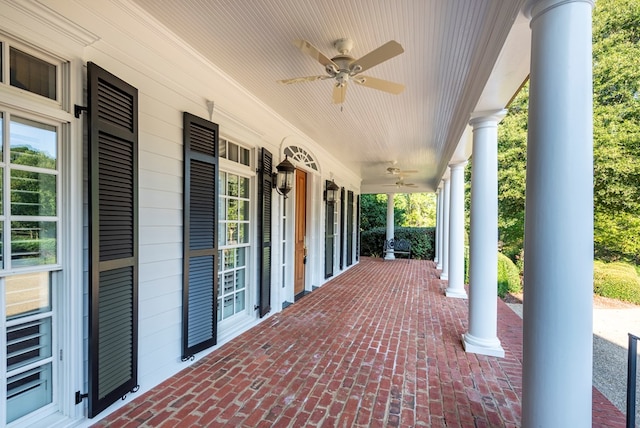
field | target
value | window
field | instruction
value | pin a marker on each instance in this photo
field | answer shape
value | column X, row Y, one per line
column 301, row 155
column 233, row 243
column 234, row 152
column 29, row 180
column 30, row 206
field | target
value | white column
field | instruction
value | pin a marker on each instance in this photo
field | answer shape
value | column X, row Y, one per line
column 436, row 250
column 441, row 228
column 558, row 277
column 390, row 196
column 444, row 274
column 456, row 233
column 482, row 336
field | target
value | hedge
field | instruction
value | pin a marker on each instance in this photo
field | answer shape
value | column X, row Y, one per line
column 422, row 241
column 508, row 276
column 616, row 280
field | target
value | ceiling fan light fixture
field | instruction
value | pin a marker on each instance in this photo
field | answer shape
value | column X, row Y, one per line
column 355, row 69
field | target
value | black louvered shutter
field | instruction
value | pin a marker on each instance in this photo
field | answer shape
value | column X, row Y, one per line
column 113, row 213
column 349, row 228
column 265, row 190
column 342, row 237
column 358, row 227
column 328, row 237
column 200, row 217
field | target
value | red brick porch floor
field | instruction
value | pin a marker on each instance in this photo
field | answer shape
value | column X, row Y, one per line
column 377, row 346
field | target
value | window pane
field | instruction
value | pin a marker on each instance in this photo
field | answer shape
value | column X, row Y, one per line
column 233, row 209
column 233, row 185
column 240, row 302
column 229, row 283
column 1, row 245
column 228, row 306
column 28, row 391
column 241, row 260
column 222, row 148
column 222, row 234
column 244, row 187
column 32, row 74
column 27, row 294
column 33, row 143
column 229, row 259
column 240, row 284
column 222, row 183
column 33, row 243
column 243, row 210
column 244, row 156
column 33, row 193
column 233, row 152
column 232, row 233
column 28, row 343
column 219, row 311
column 1, row 117
column 243, row 233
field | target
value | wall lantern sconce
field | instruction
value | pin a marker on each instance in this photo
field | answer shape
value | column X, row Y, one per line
column 331, row 194
column 283, row 179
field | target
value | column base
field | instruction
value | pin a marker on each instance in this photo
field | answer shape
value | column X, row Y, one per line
column 439, row 266
column 435, row 260
column 389, row 256
column 457, row 294
column 476, row 345
column 444, row 276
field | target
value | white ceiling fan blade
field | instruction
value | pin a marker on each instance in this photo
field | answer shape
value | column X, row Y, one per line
column 303, row 79
column 313, row 52
column 339, row 94
column 379, row 84
column 376, row 56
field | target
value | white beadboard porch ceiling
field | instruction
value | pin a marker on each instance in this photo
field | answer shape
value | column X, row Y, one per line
column 451, row 49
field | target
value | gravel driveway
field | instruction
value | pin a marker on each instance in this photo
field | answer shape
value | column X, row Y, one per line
column 612, row 323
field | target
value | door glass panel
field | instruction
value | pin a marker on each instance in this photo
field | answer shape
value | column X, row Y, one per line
column 33, row 193
column 27, row 294
column 27, row 343
column 28, row 391
column 32, row 74
column 33, row 143
column 33, row 243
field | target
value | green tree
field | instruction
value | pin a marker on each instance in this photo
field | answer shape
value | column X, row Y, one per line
column 616, row 139
column 373, row 211
column 512, row 163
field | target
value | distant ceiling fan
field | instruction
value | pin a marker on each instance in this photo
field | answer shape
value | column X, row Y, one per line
column 397, row 171
column 344, row 68
column 400, row 183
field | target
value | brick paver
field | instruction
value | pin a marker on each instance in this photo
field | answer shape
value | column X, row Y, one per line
column 377, row 346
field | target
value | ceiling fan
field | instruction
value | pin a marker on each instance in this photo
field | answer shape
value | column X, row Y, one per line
column 344, row 68
column 400, row 183
column 397, row 171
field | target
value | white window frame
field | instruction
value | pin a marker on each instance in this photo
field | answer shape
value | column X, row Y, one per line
column 31, row 106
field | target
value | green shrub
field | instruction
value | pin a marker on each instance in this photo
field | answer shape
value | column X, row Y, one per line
column 422, row 241
column 508, row 276
column 617, row 280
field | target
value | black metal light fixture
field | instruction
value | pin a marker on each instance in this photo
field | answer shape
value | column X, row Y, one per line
column 283, row 179
column 331, row 193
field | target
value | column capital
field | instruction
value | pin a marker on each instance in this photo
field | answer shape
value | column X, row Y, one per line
column 481, row 119
column 457, row 165
column 535, row 8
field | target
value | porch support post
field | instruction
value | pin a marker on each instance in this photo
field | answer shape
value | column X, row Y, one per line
column 481, row 338
column 436, row 252
column 444, row 274
column 557, row 345
column 441, row 228
column 390, row 196
column 456, row 233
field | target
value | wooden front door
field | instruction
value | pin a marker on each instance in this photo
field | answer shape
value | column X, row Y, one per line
column 301, row 231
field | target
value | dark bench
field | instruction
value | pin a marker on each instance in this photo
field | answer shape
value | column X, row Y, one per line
column 397, row 246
